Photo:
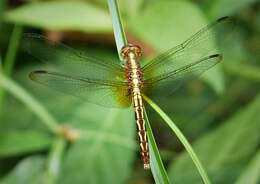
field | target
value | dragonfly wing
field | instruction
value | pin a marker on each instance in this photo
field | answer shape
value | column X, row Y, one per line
column 200, row 45
column 105, row 93
column 64, row 59
column 78, row 73
column 167, row 82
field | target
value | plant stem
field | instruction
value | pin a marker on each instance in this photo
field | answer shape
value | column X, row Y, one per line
column 9, row 61
column 29, row 101
column 12, row 49
column 119, row 33
column 54, row 160
column 182, row 138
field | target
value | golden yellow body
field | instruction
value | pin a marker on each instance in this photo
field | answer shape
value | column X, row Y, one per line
column 134, row 77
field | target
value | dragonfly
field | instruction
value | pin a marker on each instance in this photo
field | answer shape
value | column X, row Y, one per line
column 113, row 84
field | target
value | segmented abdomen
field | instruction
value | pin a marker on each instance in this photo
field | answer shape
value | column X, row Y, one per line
column 134, row 77
column 139, row 117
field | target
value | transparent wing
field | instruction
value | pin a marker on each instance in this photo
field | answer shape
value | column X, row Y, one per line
column 64, row 59
column 168, row 82
column 198, row 46
column 103, row 92
column 76, row 73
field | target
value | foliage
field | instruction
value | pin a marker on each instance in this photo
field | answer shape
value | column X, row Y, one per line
column 219, row 114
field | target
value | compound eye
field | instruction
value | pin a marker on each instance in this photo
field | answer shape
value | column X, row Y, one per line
column 131, row 48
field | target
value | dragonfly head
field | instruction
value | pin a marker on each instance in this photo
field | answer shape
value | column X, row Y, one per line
column 130, row 48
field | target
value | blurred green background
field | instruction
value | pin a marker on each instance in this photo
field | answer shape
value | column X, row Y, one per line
column 219, row 114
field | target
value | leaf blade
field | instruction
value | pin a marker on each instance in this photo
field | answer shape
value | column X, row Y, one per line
column 96, row 154
column 221, row 150
column 83, row 16
column 17, row 142
column 159, row 173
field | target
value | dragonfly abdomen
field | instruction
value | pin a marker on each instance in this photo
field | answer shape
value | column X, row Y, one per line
column 139, row 117
column 135, row 83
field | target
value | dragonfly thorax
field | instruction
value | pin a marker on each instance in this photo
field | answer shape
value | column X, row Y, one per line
column 134, row 75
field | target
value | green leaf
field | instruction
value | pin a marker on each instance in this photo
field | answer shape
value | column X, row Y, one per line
column 61, row 16
column 105, row 151
column 119, row 32
column 2, row 8
column 182, row 139
column 21, row 142
column 221, row 8
column 251, row 175
column 28, row 171
column 25, row 97
column 163, row 25
column 130, row 7
column 165, row 22
column 224, row 151
column 159, row 174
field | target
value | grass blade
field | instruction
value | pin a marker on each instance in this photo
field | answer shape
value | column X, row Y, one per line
column 9, row 61
column 12, row 49
column 159, row 173
column 182, row 138
column 117, row 26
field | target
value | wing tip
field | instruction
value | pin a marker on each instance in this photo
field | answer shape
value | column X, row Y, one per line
column 32, row 74
column 220, row 56
column 223, row 18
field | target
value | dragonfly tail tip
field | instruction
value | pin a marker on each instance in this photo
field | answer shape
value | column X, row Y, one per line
column 147, row 166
